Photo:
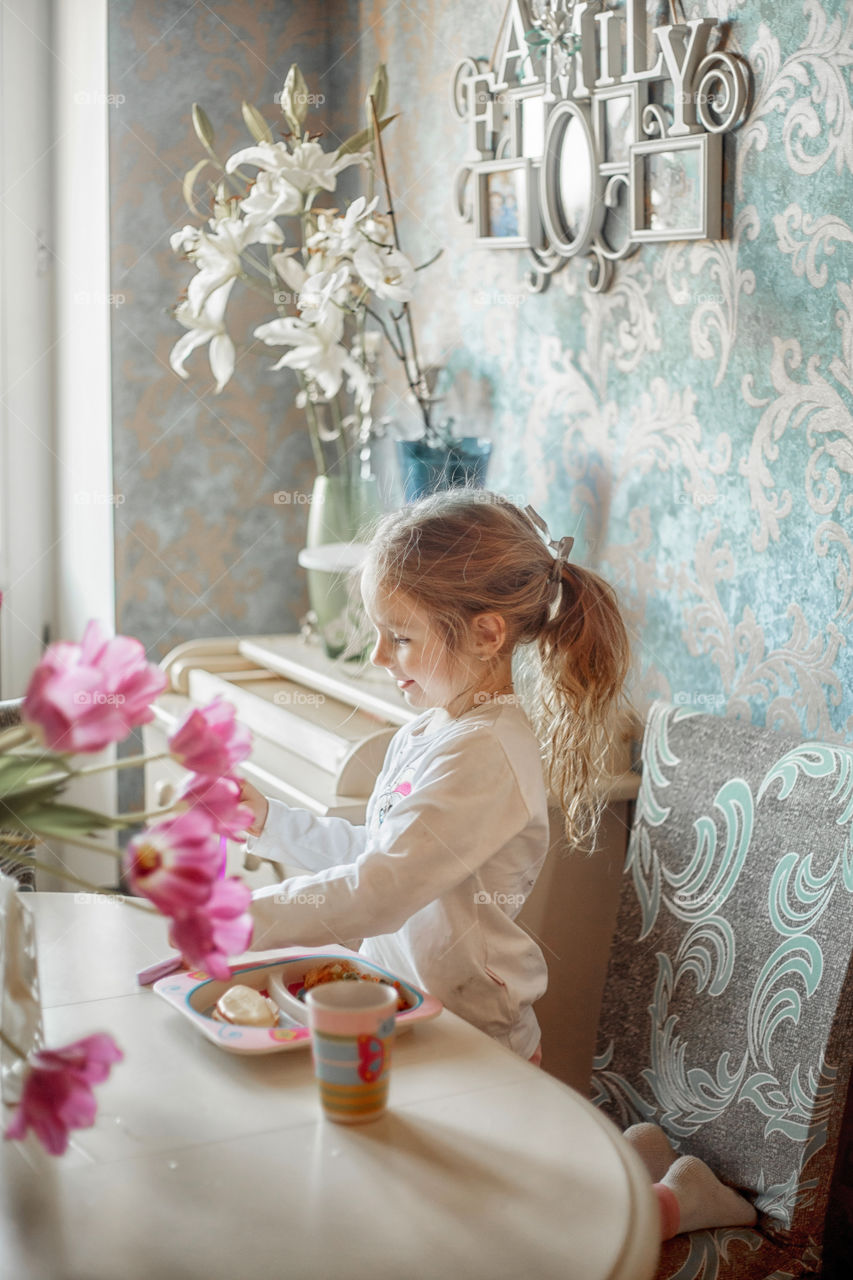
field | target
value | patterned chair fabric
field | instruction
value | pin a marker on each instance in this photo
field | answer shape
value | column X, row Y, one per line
column 10, row 715
column 727, row 1004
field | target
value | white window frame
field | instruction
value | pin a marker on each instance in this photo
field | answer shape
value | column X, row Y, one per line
column 27, row 333
column 56, row 519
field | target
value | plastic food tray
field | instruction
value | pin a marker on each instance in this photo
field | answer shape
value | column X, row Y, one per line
column 195, row 995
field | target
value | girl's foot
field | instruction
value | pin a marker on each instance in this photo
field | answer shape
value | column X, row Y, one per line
column 704, row 1201
column 652, row 1146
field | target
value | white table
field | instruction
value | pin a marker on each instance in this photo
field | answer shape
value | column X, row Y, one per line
column 205, row 1164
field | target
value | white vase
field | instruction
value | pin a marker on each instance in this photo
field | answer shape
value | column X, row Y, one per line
column 20, row 1002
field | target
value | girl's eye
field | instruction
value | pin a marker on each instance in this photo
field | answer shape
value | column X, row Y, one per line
column 399, row 640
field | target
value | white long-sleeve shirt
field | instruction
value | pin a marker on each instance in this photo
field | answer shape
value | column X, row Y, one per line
column 456, row 832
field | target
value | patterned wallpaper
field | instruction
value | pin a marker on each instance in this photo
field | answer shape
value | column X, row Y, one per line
column 201, row 547
column 693, row 426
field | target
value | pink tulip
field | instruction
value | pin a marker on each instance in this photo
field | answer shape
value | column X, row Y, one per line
column 219, row 798
column 220, row 928
column 85, row 697
column 56, row 1096
column 175, row 863
column 208, row 740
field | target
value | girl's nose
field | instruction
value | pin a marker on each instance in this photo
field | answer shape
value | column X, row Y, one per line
column 378, row 655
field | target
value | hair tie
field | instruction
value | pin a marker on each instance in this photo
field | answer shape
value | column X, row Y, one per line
column 561, row 547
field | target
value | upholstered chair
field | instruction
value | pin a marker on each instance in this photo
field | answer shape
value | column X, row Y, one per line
column 727, row 1016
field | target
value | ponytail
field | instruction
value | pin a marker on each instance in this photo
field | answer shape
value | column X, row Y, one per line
column 584, row 658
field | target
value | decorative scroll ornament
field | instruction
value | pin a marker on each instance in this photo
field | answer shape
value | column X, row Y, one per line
column 589, row 135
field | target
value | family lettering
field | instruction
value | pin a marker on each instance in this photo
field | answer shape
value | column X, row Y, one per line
column 588, row 134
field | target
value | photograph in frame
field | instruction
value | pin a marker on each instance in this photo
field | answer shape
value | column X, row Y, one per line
column 506, row 200
column 673, row 191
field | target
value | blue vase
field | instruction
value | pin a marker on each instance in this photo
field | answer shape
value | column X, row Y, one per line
column 427, row 468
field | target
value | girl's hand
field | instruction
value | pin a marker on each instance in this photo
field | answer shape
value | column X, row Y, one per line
column 258, row 803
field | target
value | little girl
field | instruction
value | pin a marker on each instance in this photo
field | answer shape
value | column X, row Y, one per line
column 457, row 826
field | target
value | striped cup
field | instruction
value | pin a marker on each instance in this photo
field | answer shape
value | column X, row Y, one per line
column 352, row 1027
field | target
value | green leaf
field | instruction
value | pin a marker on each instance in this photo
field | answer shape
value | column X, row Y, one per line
column 361, row 141
column 378, row 90
column 60, row 819
column 189, row 183
column 256, row 124
column 294, row 98
column 17, row 774
column 204, row 129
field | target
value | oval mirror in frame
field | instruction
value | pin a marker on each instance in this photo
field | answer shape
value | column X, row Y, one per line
column 571, row 196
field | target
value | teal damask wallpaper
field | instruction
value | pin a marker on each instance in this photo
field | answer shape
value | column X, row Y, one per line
column 693, row 426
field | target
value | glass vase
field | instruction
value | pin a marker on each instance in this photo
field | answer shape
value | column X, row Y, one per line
column 20, row 1003
column 342, row 511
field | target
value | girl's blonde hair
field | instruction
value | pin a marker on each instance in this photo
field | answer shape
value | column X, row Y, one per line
column 463, row 552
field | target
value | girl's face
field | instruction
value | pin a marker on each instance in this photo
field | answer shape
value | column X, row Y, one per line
column 416, row 656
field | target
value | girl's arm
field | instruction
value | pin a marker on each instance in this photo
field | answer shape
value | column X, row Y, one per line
column 300, row 837
column 466, row 806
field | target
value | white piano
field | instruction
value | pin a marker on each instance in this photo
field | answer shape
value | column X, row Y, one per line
column 320, row 727
column 320, row 730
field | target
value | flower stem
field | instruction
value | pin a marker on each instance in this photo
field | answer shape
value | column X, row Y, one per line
column 132, row 817
column 407, row 311
column 127, row 763
column 313, row 429
column 400, row 354
column 16, row 735
column 83, row 841
column 340, row 438
column 265, row 271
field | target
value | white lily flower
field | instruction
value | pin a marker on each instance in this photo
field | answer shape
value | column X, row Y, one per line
column 317, row 353
column 307, row 167
column 290, row 269
column 359, row 383
column 217, row 254
column 271, row 196
column 316, row 350
column 372, row 345
column 209, row 326
column 387, row 272
column 342, row 236
column 295, row 331
column 322, row 293
column 185, row 240
column 379, row 229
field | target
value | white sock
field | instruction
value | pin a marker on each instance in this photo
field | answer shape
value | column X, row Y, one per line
column 703, row 1200
column 653, row 1147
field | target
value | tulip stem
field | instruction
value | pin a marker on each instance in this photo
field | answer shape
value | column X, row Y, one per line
column 132, row 817
column 126, row 763
column 37, row 837
column 16, row 735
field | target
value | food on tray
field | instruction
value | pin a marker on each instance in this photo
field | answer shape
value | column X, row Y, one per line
column 346, row 971
column 246, row 1007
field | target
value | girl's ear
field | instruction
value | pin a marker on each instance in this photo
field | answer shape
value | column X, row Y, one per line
column 488, row 633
